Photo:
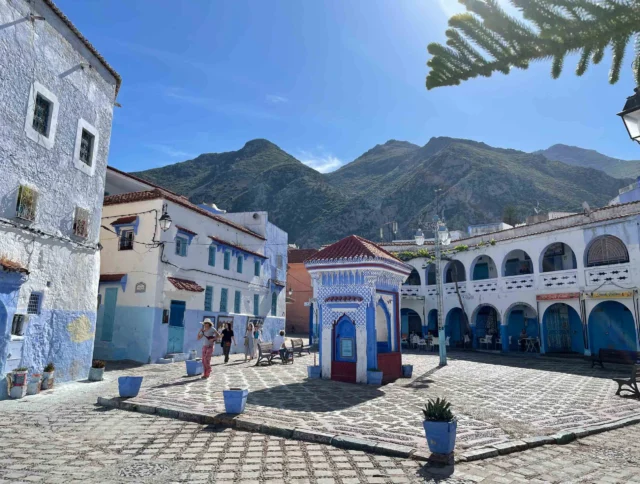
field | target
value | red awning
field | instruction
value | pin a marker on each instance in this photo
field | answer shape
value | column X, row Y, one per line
column 185, row 284
column 111, row 277
column 125, row 220
column 12, row 266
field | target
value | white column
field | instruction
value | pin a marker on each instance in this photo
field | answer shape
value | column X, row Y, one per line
column 327, row 347
column 361, row 352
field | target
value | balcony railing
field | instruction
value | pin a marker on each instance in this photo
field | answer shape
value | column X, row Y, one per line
column 617, row 273
column 485, row 286
column 560, row 279
column 450, row 288
column 432, row 290
column 411, row 290
column 522, row 282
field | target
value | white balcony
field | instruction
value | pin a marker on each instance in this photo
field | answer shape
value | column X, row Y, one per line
column 617, row 273
column 432, row 291
column 411, row 290
column 559, row 279
column 524, row 282
column 484, row 286
column 450, row 288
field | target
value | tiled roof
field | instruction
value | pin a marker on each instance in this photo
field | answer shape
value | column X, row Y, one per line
column 297, row 256
column 111, row 277
column 278, row 283
column 86, row 43
column 161, row 193
column 12, row 266
column 343, row 299
column 352, row 247
column 138, row 179
column 186, row 231
column 235, row 246
column 125, row 220
column 185, row 284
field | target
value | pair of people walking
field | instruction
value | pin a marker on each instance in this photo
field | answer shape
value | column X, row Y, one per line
column 211, row 337
column 251, row 340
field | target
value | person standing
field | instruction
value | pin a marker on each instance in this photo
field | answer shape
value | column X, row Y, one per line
column 249, row 343
column 210, row 336
column 227, row 338
column 279, row 346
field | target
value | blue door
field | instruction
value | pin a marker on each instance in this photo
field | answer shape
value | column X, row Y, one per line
column 175, row 341
column 109, row 317
column 611, row 326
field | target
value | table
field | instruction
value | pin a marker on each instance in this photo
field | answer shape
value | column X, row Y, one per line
column 531, row 344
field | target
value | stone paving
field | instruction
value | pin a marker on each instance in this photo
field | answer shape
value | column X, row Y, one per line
column 497, row 398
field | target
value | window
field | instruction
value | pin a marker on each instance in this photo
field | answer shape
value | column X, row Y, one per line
column 86, row 147
column 27, row 202
column 126, row 239
column 607, row 250
column 346, row 348
column 212, row 255
column 279, row 261
column 42, row 115
column 81, row 223
column 274, row 304
column 223, row 300
column 33, row 307
column 208, row 298
column 256, row 304
column 227, row 260
column 236, row 302
column 256, row 268
column 181, row 246
column 17, row 325
column 240, row 262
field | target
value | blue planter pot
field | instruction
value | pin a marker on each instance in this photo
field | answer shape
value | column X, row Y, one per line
column 235, row 399
column 374, row 377
column 407, row 371
column 441, row 436
column 313, row 371
column 194, row 367
column 129, row 386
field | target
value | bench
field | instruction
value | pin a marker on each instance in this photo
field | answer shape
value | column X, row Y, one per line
column 297, row 346
column 622, row 357
column 265, row 353
column 632, row 382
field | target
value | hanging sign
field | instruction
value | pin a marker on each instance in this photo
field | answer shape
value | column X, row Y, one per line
column 141, row 287
column 610, row 294
column 558, row 297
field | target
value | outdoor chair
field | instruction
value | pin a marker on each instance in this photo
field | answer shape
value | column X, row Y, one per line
column 422, row 344
column 486, row 340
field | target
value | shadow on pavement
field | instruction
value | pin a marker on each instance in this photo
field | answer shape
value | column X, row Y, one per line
column 435, row 473
column 122, row 365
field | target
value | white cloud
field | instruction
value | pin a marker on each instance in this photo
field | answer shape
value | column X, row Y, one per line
column 324, row 162
column 169, row 151
column 275, row 99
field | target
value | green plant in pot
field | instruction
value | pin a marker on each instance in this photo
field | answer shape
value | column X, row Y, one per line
column 440, row 426
column 47, row 376
column 96, row 372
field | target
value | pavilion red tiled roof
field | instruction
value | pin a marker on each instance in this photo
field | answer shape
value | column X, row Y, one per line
column 186, row 231
column 352, row 247
column 125, row 220
column 343, row 299
column 298, row 256
column 185, row 284
column 236, row 246
column 111, row 277
column 12, row 266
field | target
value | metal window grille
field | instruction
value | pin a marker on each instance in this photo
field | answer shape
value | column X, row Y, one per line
column 81, row 223
column 236, row 302
column 607, row 250
column 27, row 201
column 256, row 268
column 126, row 240
column 41, row 113
column 240, row 261
column 223, row 300
column 86, row 147
column 34, row 303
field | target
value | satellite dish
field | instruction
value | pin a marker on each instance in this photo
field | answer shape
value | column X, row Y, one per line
column 587, row 209
column 536, row 209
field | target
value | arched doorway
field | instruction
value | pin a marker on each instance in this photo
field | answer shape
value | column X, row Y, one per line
column 343, row 364
column 454, row 328
column 606, row 250
column 411, row 323
column 517, row 263
column 611, row 326
column 413, row 279
column 454, row 272
column 483, row 268
column 431, row 275
column 383, row 328
column 432, row 326
column 518, row 317
column 487, row 323
column 562, row 330
column 557, row 257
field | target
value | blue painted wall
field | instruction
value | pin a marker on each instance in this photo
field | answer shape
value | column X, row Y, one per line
column 514, row 327
column 372, row 349
column 454, row 327
column 132, row 334
column 611, row 326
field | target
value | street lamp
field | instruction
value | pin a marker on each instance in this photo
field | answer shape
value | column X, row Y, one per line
column 630, row 115
column 419, row 237
column 441, row 238
column 165, row 220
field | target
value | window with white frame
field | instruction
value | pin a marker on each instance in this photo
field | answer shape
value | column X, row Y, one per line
column 42, row 116
column 81, row 223
column 86, row 147
column 33, row 307
column 181, row 246
column 126, row 239
column 27, row 203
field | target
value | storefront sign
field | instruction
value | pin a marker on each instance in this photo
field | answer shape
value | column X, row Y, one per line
column 558, row 297
column 610, row 295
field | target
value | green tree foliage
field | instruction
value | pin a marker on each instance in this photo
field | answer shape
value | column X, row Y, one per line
column 552, row 29
column 510, row 215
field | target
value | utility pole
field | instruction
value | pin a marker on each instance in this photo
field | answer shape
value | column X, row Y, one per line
column 442, row 346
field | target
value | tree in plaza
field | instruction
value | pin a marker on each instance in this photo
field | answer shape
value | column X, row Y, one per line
column 510, row 215
column 552, row 29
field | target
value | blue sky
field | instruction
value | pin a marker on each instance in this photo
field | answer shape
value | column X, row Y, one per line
column 324, row 80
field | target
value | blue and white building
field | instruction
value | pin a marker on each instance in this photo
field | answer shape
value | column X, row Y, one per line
column 57, row 95
column 157, row 286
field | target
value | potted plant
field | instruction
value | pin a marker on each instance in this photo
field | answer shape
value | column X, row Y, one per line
column 33, row 387
column 440, row 426
column 235, row 399
column 315, row 370
column 47, row 376
column 129, row 386
column 407, row 371
column 18, row 382
column 374, row 376
column 96, row 372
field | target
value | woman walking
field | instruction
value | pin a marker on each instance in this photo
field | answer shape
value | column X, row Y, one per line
column 227, row 338
column 210, row 336
column 249, row 343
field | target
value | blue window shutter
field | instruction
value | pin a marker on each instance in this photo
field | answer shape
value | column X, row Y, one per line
column 178, row 246
column 240, row 261
column 236, row 302
column 274, row 304
column 223, row 300
column 256, row 304
column 256, row 268
column 208, row 298
column 227, row 260
column 212, row 255
column 181, row 246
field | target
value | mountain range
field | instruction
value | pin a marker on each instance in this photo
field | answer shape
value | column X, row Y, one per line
column 396, row 181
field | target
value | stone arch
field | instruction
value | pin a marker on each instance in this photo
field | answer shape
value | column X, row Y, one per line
column 486, row 321
column 454, row 327
column 413, row 279
column 516, row 263
column 383, row 327
column 612, row 326
column 557, row 256
column 519, row 316
column 432, row 321
column 454, row 270
column 483, row 267
column 562, row 329
column 605, row 250
column 430, row 275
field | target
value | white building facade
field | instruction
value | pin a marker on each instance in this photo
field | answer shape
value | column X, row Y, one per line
column 570, row 283
column 56, row 107
column 157, row 286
